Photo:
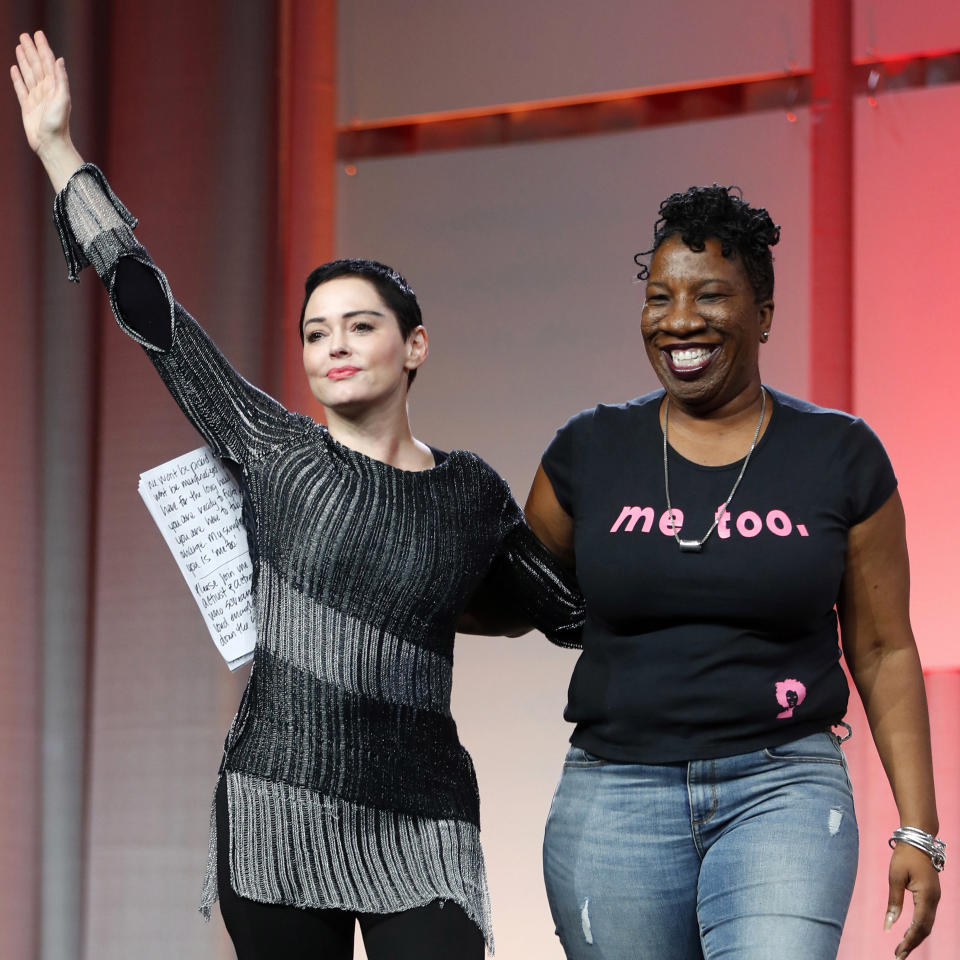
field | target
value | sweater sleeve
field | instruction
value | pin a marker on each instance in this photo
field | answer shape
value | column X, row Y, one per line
column 239, row 421
column 530, row 578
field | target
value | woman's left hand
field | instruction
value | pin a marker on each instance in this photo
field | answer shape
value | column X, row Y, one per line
column 40, row 82
column 911, row 869
column 879, row 648
column 43, row 90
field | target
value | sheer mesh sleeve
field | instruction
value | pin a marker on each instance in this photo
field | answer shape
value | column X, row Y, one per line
column 530, row 578
column 239, row 421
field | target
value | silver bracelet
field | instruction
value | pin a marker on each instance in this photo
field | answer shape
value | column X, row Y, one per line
column 932, row 846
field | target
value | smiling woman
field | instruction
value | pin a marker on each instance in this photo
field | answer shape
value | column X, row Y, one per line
column 704, row 808
column 344, row 795
column 702, row 325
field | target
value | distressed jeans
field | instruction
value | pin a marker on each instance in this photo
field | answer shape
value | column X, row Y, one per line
column 750, row 857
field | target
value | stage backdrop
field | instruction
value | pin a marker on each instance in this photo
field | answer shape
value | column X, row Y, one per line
column 113, row 704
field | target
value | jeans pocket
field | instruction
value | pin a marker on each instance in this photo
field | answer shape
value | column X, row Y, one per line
column 815, row 748
column 578, row 757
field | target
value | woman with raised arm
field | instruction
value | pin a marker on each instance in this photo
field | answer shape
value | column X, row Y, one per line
column 344, row 793
column 704, row 808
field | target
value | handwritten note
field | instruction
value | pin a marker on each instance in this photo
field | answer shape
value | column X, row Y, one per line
column 196, row 503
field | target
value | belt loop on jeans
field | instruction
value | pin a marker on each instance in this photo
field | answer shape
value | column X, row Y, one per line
column 845, row 725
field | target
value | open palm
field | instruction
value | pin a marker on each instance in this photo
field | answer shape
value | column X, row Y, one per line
column 40, row 82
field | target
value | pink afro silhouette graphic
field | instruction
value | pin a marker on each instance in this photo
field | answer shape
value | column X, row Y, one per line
column 790, row 694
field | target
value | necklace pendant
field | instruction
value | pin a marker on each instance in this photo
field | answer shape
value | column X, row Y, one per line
column 690, row 546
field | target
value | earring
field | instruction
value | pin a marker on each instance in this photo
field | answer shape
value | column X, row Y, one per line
column 765, row 336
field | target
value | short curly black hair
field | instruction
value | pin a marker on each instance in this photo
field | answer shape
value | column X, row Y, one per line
column 721, row 213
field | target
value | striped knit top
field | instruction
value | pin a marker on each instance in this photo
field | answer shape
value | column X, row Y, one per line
column 347, row 785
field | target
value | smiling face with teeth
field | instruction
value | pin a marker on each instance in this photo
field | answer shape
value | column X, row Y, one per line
column 702, row 326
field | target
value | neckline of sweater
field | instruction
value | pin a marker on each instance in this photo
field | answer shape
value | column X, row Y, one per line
column 373, row 462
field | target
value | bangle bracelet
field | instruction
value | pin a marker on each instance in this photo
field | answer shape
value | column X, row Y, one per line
column 932, row 846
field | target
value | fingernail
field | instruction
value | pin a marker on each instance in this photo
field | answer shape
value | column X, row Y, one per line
column 888, row 919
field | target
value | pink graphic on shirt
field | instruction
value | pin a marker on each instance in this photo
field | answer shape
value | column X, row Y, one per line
column 672, row 520
column 723, row 523
column 748, row 524
column 790, row 694
column 779, row 523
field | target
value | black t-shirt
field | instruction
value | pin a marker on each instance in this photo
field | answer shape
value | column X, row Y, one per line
column 698, row 655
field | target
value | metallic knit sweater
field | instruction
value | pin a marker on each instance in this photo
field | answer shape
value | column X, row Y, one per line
column 346, row 783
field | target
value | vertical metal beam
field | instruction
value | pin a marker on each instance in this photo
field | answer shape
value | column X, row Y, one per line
column 831, row 193
column 307, row 155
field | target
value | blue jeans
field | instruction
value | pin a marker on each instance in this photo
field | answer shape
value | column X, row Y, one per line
column 750, row 857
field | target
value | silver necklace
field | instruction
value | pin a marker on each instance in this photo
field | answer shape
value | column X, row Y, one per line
column 695, row 546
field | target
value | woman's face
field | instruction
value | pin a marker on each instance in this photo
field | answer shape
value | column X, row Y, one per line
column 353, row 352
column 702, row 325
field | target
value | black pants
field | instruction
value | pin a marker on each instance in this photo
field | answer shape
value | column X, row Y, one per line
column 267, row 931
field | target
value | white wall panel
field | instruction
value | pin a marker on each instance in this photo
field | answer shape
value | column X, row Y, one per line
column 400, row 57
column 907, row 338
column 890, row 27
column 522, row 260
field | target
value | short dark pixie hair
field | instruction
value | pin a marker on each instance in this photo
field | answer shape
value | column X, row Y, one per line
column 722, row 213
column 393, row 289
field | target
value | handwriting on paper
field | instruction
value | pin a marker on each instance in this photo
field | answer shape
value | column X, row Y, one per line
column 197, row 505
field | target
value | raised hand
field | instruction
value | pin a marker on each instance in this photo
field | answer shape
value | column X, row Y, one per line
column 41, row 85
column 40, row 82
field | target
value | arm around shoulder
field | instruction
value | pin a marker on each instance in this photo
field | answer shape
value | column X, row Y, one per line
column 530, row 584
